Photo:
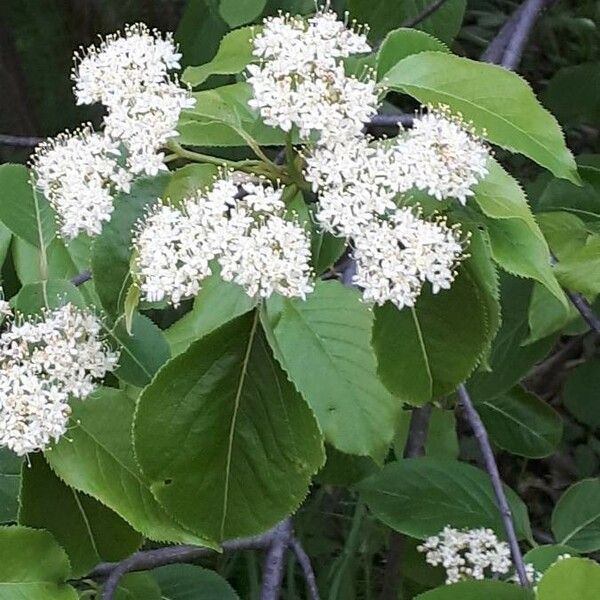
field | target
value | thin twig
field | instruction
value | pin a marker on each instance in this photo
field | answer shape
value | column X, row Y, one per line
column 585, row 310
column 427, row 11
column 414, row 447
column 492, row 468
column 305, row 564
column 273, row 563
column 81, row 278
column 19, row 141
column 151, row 559
column 403, row 119
column 523, row 27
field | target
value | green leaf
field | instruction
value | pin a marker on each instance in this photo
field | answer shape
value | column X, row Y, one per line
column 87, row 530
column 442, row 441
column 138, row 586
column 239, row 12
column 189, row 582
column 33, row 566
column 579, row 269
column 326, row 249
column 426, row 351
column 581, row 393
column 54, row 293
column 476, row 590
column 5, row 239
column 520, row 422
column 143, row 351
column 222, row 117
column 97, row 458
column 10, row 479
column 400, row 43
column 217, row 303
column 543, row 557
column 583, row 200
column 345, row 469
column 576, row 516
column 547, row 315
column 227, row 443
column 576, row 81
column 382, row 16
column 573, row 578
column 420, row 496
column 520, row 253
column 510, row 360
column 22, row 209
column 187, row 181
column 112, row 248
column 500, row 104
column 323, row 343
column 234, row 54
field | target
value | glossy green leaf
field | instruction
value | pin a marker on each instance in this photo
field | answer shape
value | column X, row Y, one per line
column 22, row 209
column 235, row 52
column 217, row 303
column 426, row 351
column 87, row 530
column 323, row 343
column 97, row 459
column 576, row 516
column 498, row 102
column 33, row 297
column 240, row 12
column 382, row 16
column 143, row 351
column 476, row 590
column 420, row 496
column 522, row 423
column 227, row 443
column 111, row 250
column 33, row 566
column 403, row 42
column 10, row 480
column 573, row 578
column 521, row 253
column 189, row 582
column 579, row 270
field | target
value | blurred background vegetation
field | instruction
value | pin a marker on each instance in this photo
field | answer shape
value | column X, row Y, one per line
column 38, row 38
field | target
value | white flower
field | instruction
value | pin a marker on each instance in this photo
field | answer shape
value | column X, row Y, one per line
column 43, row 363
column 254, row 244
column 300, row 80
column 397, row 256
column 129, row 74
column 467, row 553
column 79, row 173
column 357, row 182
column 442, row 156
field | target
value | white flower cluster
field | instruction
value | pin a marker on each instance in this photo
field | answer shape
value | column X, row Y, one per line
column 80, row 172
column 249, row 236
column 129, row 75
column 467, row 553
column 42, row 363
column 396, row 257
column 300, row 79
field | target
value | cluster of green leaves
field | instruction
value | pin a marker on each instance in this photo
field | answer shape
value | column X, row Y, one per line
column 221, row 414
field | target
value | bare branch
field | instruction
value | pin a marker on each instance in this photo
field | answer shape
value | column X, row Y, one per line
column 309, row 574
column 427, row 12
column 20, row 141
column 403, row 119
column 81, row 278
column 415, row 446
column 492, row 468
column 273, row 564
column 497, row 47
column 585, row 310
